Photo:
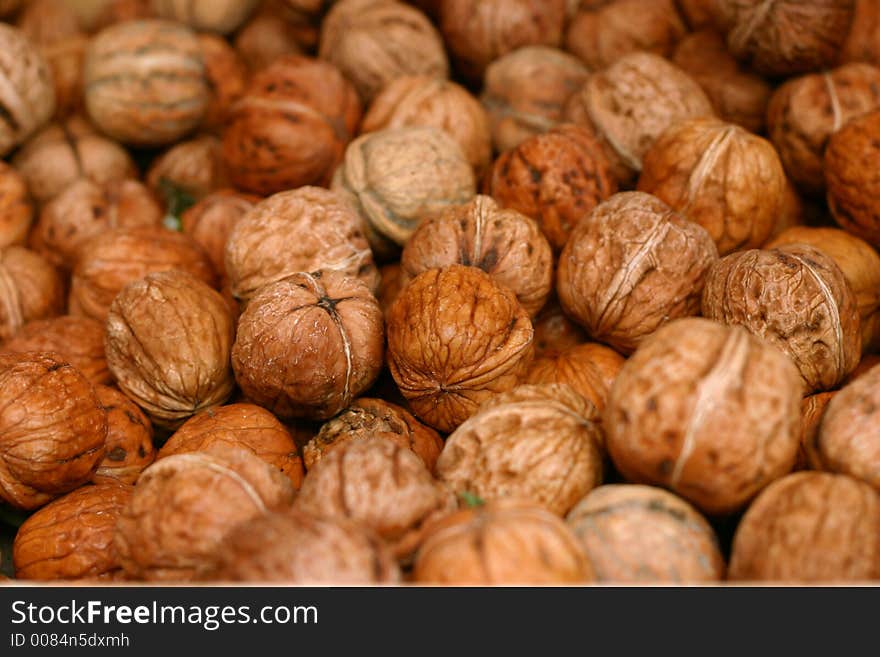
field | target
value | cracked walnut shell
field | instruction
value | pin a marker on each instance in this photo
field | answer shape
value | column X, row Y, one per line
column 129, row 445
column 30, row 289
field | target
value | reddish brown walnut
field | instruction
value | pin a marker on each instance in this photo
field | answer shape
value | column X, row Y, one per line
column 16, row 208
column 227, row 77
column 119, row 11
column 641, row 534
column 309, row 344
column 455, row 338
column 271, row 33
column 798, row 299
column 813, row 409
column 505, row 244
column 809, row 527
column 863, row 43
column 71, row 538
column 390, row 284
column 194, row 167
column 30, row 288
column 554, row 331
column 52, row 429
column 707, row 410
column 129, row 444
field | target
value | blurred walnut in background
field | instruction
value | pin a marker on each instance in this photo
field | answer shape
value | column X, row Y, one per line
column 590, row 369
column 16, row 208
column 129, row 446
column 30, row 288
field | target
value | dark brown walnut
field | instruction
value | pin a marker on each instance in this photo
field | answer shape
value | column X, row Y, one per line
column 632, row 265
column 244, row 426
column 501, row 543
column 525, row 92
column 603, row 35
column 738, row 95
column 129, row 445
column 554, row 331
column 706, row 410
column 720, row 176
column 423, row 100
column 455, row 338
column 798, row 299
column 113, row 259
column 64, row 152
column 376, row 41
column 784, row 38
column 805, row 111
column 16, row 208
column 168, row 343
column 390, row 284
column 368, row 417
column 86, row 209
column 477, row 32
column 71, row 538
column 537, row 442
column 273, row 32
column 220, row 16
column 809, row 527
column 862, row 42
column 590, row 370
column 184, row 505
column 52, row 429
column 852, row 179
column 291, row 126
column 227, row 77
column 30, row 289
column 397, row 177
column 309, row 344
column 645, row 535
column 195, row 167
column 507, row 245
column 145, row 82
column 78, row 340
column 291, row 547
column 812, row 411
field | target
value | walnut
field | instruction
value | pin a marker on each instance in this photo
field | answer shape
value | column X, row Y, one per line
column 809, row 527
column 108, row 262
column 555, row 178
column 501, row 543
column 793, row 213
column 71, row 538
column 129, row 445
column 708, row 411
column 641, row 535
column 455, row 338
column 795, row 297
column 184, row 505
column 785, row 38
column 8, row 7
column 78, row 340
column 397, row 177
column 221, row 16
column 554, row 331
column 28, row 97
column 120, row 11
column 244, row 426
column 862, row 43
column 271, row 34
column 390, row 284
column 168, row 343
column 375, row 41
column 309, row 344
column 195, row 167
column 812, row 411
column 52, row 429
column 590, row 370
column 525, row 92
column 301, row 230
column 698, row 14
column 632, row 265
column 505, row 244
column 30, row 288
column 16, row 208
column 291, row 126
column 865, row 364
column 145, row 82
column 422, row 100
column 368, row 417
column 227, row 77
column 64, row 152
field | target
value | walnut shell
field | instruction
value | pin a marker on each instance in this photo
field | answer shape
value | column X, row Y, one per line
column 719, row 176
column 708, row 411
column 554, row 331
column 129, row 444
column 112, row 260
column 641, row 535
column 210, row 221
column 455, row 338
column 227, row 77
column 502, row 543
column 590, row 370
column 221, row 16
column 368, row 417
column 52, row 429
column 809, row 527
column 184, row 505
column 30, row 288
column 120, row 11
column 244, row 426
column 505, row 244
column 195, row 166
column 813, row 409
column 862, row 43
column 16, row 208
column 168, row 343
column 145, row 81
column 301, row 230
column 525, row 92
column 390, row 284
column 632, row 265
column 309, row 344
column 71, row 538
column 291, row 126
column 796, row 298
column 270, row 34
column 375, row 41
column 555, row 178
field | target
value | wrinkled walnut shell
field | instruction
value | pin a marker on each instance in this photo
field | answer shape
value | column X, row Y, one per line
column 813, row 409
column 16, row 208
column 227, row 79
column 30, row 289
column 129, row 444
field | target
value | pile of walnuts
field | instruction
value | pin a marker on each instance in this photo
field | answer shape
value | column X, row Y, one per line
column 440, row 291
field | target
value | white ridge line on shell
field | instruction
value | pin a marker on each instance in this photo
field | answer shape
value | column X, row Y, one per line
column 835, row 101
column 706, row 164
column 9, row 291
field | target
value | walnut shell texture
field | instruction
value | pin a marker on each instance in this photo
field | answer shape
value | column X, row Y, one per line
column 813, row 409
column 16, row 208
column 210, row 221
column 30, row 288
column 195, row 166
column 221, row 16
column 227, row 77
column 129, row 444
